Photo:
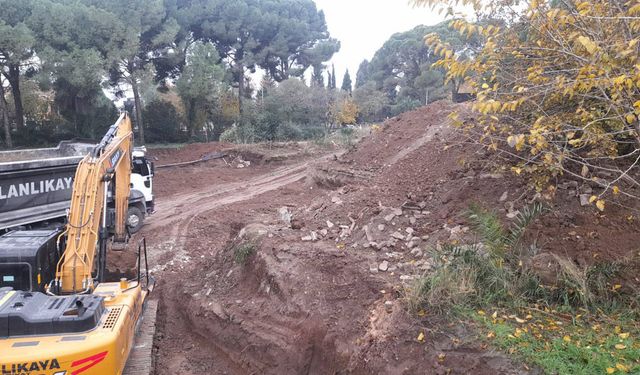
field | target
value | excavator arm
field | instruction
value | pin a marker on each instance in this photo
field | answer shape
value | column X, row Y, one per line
column 106, row 169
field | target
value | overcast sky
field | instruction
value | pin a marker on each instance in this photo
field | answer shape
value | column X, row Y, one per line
column 362, row 26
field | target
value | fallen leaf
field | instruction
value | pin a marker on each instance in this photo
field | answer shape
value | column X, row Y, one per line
column 600, row 204
column 491, row 335
column 481, row 313
column 624, row 335
column 610, row 370
column 520, row 320
column 441, row 357
column 494, row 315
column 622, row 367
column 421, row 337
column 566, row 338
column 621, row 346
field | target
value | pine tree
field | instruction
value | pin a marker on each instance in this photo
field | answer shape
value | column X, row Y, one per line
column 346, row 82
column 332, row 80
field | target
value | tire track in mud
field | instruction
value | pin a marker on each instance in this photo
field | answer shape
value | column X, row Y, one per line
column 179, row 211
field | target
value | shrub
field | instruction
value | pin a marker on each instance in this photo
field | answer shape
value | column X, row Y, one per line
column 494, row 273
column 243, row 251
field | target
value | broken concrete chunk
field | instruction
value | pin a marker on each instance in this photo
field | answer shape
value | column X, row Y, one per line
column 373, row 268
column 397, row 211
column 409, row 230
column 381, row 227
column 389, row 217
column 329, row 224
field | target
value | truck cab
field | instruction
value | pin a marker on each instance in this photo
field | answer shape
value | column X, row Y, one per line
column 141, row 200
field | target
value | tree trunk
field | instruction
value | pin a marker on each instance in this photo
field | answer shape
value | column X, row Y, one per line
column 240, row 68
column 138, row 104
column 14, row 81
column 5, row 119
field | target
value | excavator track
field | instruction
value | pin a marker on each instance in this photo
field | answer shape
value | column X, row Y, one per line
column 141, row 357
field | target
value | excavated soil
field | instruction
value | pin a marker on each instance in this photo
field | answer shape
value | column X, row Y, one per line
column 332, row 238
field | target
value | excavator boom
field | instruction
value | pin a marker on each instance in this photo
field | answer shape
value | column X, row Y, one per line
column 109, row 163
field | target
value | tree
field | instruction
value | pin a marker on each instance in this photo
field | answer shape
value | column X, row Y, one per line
column 4, row 111
column 371, row 102
column 363, row 75
column 557, row 87
column 317, row 79
column 346, row 111
column 332, row 78
column 346, row 82
column 163, row 122
column 148, row 33
column 75, row 44
column 201, row 85
column 16, row 48
column 283, row 37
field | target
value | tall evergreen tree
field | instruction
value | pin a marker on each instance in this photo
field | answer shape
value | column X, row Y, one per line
column 346, row 82
column 332, row 78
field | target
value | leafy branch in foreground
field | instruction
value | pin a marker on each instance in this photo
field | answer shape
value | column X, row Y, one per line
column 557, row 84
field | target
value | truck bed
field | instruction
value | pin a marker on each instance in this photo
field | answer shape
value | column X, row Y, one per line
column 35, row 184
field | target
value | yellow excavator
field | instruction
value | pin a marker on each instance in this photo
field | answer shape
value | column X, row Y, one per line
column 81, row 324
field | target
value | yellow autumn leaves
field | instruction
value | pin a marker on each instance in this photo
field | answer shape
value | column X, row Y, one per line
column 560, row 87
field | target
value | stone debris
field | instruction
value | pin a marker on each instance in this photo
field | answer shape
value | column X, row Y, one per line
column 397, row 235
column 584, row 200
column 285, row 215
column 388, row 306
column 330, row 224
column 457, row 232
column 336, row 200
column 373, row 268
column 381, row 227
column 504, row 196
column 313, row 236
column 383, row 266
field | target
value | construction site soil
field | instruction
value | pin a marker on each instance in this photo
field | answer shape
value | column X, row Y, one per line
column 293, row 258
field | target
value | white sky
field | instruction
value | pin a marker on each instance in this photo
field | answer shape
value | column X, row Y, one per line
column 362, row 26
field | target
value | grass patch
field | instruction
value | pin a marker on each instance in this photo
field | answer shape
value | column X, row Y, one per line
column 242, row 252
column 561, row 344
column 582, row 324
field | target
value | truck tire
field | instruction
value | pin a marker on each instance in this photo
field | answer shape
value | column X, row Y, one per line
column 135, row 219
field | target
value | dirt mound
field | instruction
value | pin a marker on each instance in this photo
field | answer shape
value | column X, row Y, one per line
column 340, row 237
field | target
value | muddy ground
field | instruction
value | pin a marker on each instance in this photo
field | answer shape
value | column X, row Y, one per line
column 335, row 237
